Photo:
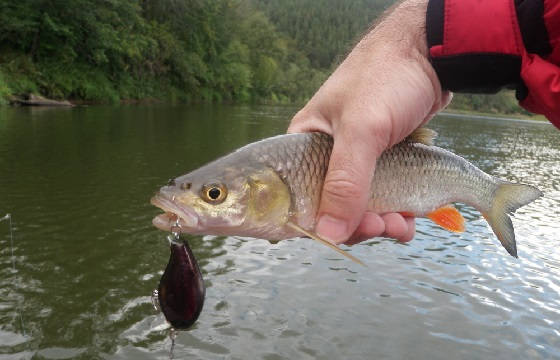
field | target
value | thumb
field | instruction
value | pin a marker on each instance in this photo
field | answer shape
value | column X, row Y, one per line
column 347, row 186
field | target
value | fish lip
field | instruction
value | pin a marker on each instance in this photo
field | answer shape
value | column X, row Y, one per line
column 188, row 218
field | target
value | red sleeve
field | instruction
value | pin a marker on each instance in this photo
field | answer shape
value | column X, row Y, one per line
column 482, row 46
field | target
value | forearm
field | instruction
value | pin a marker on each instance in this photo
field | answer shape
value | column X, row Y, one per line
column 404, row 22
column 393, row 57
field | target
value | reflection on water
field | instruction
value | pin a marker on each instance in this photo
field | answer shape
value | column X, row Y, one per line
column 78, row 182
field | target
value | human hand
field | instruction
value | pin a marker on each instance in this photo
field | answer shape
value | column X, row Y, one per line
column 384, row 89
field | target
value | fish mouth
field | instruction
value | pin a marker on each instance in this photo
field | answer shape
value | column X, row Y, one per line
column 175, row 218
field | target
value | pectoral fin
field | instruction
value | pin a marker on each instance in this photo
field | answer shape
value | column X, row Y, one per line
column 324, row 242
column 449, row 218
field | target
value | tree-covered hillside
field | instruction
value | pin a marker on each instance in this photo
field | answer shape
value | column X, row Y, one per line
column 275, row 51
column 188, row 50
column 323, row 29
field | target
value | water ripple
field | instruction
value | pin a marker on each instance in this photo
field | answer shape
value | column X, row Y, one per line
column 88, row 258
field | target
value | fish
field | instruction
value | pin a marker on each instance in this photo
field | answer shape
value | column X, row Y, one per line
column 181, row 289
column 271, row 189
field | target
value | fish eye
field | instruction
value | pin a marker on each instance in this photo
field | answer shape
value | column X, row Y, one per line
column 214, row 193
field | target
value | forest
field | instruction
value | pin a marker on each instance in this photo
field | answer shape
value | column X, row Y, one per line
column 238, row 51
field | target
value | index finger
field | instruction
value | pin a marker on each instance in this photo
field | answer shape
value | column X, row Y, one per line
column 347, row 185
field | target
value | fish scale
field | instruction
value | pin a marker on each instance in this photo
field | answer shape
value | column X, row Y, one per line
column 404, row 172
column 308, row 159
column 417, row 178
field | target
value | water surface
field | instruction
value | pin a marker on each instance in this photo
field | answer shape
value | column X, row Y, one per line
column 78, row 181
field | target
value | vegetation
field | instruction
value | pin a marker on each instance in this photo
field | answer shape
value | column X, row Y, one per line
column 323, row 29
column 184, row 50
column 503, row 102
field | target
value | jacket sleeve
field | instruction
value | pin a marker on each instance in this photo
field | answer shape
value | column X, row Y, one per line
column 483, row 46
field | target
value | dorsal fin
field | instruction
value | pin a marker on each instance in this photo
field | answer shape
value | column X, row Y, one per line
column 422, row 135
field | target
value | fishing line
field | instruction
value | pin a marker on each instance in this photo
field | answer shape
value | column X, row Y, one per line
column 8, row 217
column 172, row 336
column 174, row 237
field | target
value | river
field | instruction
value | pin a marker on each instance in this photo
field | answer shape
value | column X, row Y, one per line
column 77, row 183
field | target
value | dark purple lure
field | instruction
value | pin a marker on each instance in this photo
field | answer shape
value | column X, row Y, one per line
column 181, row 288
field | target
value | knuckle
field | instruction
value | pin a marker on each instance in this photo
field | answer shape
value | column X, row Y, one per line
column 301, row 115
column 340, row 187
column 377, row 133
column 307, row 120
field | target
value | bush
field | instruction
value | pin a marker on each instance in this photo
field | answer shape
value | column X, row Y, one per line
column 501, row 103
column 5, row 91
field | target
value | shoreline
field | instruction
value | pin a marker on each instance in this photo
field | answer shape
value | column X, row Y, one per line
column 494, row 117
column 539, row 119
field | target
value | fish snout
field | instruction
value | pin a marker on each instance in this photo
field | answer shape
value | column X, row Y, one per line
column 170, row 190
column 176, row 185
column 175, row 213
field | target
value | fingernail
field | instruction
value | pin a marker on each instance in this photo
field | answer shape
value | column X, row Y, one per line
column 332, row 229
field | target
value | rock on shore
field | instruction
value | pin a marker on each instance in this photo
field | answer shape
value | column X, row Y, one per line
column 37, row 100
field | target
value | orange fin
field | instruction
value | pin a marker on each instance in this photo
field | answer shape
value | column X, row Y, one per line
column 449, row 218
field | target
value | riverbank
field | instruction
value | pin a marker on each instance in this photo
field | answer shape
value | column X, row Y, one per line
column 493, row 116
column 42, row 101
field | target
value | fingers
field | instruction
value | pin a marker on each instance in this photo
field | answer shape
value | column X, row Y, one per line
column 347, row 185
column 446, row 98
column 411, row 230
column 391, row 225
column 398, row 227
column 372, row 225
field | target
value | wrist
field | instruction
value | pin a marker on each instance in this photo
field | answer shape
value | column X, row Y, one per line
column 401, row 35
column 405, row 26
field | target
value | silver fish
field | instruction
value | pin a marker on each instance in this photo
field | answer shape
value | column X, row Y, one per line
column 271, row 189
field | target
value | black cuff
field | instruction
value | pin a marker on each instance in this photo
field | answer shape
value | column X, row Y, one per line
column 530, row 16
column 486, row 72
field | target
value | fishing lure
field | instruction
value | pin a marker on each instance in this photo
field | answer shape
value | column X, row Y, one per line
column 181, row 289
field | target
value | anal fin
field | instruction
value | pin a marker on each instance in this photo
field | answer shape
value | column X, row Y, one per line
column 324, row 242
column 449, row 218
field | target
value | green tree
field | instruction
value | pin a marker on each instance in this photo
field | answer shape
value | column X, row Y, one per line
column 185, row 50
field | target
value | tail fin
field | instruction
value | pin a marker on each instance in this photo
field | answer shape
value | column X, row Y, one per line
column 508, row 198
